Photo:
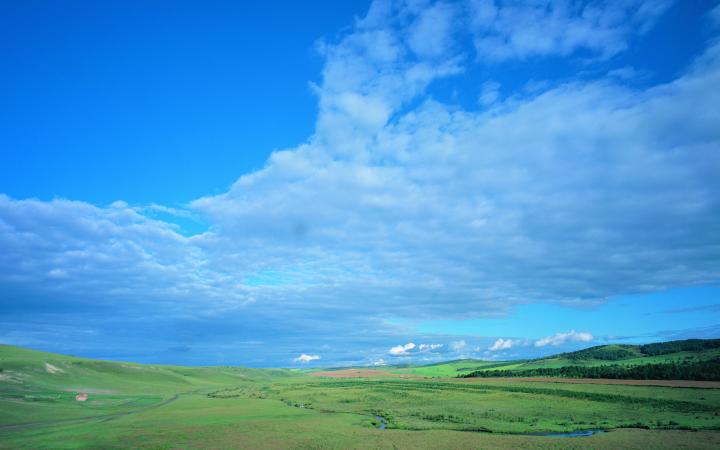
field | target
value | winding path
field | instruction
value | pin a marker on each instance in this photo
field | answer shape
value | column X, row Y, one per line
column 99, row 418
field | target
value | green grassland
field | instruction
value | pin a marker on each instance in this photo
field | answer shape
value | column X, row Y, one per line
column 150, row 406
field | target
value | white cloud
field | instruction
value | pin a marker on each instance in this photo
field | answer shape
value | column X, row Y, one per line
column 379, row 362
column 306, row 358
column 628, row 73
column 457, row 345
column 564, row 338
column 401, row 350
column 505, row 344
column 412, row 349
column 429, row 347
column 430, row 34
column 520, row 29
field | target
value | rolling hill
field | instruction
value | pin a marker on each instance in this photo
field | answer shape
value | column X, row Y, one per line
column 692, row 359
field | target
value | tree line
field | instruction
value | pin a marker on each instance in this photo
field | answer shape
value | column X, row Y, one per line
column 700, row 371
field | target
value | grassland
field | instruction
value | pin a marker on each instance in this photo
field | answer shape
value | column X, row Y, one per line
column 144, row 406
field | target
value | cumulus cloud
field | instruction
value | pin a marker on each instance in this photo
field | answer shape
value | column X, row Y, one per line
column 564, row 338
column 456, row 346
column 401, row 350
column 507, row 29
column 306, row 358
column 505, row 344
column 412, row 349
column 431, row 33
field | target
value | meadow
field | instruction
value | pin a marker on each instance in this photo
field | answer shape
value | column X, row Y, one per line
column 147, row 406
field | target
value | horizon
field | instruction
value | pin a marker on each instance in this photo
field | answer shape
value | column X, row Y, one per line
column 381, row 367
column 371, row 183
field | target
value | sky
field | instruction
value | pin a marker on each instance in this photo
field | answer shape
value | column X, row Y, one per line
column 303, row 184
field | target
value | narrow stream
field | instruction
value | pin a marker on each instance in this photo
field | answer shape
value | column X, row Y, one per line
column 382, row 423
column 576, row 433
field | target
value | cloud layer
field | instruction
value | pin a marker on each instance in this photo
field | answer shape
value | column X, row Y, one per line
column 510, row 29
column 563, row 338
column 402, row 206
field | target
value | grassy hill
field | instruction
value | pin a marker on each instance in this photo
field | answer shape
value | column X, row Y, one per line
column 36, row 385
column 697, row 359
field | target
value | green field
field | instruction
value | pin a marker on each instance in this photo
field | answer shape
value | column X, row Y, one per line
column 132, row 405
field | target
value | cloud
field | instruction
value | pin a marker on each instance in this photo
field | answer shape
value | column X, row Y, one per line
column 401, row 350
column 430, row 34
column 429, row 347
column 457, row 345
column 505, row 344
column 564, row 338
column 702, row 308
column 399, row 205
column 714, row 16
column 522, row 29
column 412, row 349
column 489, row 93
column 628, row 73
column 306, row 358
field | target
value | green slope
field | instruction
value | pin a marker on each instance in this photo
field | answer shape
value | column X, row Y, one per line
column 686, row 359
column 36, row 385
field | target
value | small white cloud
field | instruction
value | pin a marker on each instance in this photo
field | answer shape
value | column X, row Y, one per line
column 412, row 348
column 401, row 350
column 306, row 358
column 379, row 362
column 563, row 338
column 429, row 347
column 58, row 273
column 628, row 73
column 457, row 345
column 505, row 344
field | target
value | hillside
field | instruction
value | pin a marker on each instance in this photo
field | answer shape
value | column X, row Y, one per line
column 36, row 385
column 692, row 359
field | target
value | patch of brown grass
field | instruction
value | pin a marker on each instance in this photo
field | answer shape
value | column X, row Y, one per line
column 357, row 373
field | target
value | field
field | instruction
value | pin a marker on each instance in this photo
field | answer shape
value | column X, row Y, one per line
column 132, row 405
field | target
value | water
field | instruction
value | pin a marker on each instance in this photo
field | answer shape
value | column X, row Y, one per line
column 382, row 422
column 577, row 433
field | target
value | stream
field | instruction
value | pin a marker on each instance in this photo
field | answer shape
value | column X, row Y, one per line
column 576, row 433
column 382, row 423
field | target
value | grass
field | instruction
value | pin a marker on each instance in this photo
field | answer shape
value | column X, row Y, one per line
column 145, row 406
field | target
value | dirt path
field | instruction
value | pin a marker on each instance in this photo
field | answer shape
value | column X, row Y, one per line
column 661, row 383
column 99, row 418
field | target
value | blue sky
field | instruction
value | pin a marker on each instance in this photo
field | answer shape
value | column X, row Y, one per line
column 330, row 183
